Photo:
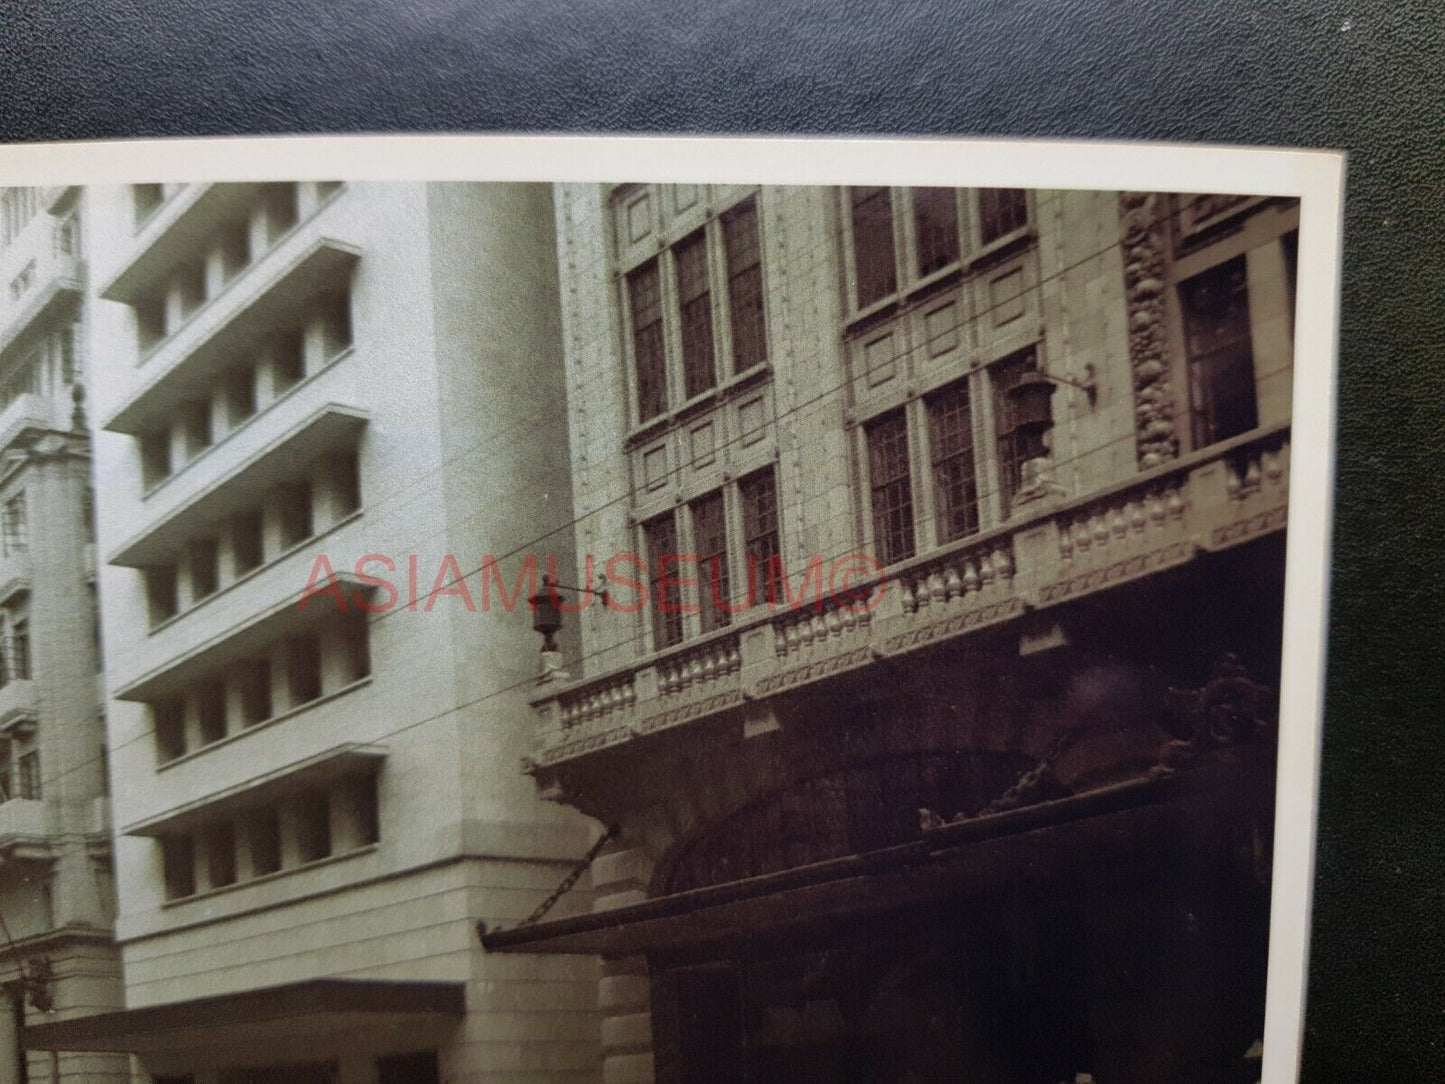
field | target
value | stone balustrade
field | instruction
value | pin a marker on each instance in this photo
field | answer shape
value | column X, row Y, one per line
column 1053, row 552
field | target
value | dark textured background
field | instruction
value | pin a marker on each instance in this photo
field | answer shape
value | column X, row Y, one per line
column 1365, row 77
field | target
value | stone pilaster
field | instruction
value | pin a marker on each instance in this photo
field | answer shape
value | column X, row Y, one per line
column 1140, row 217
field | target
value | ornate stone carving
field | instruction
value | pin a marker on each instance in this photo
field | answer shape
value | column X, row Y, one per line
column 1231, row 709
column 1154, row 423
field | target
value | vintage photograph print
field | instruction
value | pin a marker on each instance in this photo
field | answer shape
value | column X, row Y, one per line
column 838, row 612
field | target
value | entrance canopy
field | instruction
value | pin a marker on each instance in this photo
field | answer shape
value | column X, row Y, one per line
column 317, row 1007
column 1086, row 834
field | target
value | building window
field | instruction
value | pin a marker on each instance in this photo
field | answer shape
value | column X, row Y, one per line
column 18, row 206
column 247, row 547
column 239, row 388
column 288, row 359
column 745, row 286
column 313, row 826
column 710, row 543
column 155, row 457
column 178, row 857
column 191, row 286
column 892, row 489
column 196, row 423
column 357, row 645
column 1013, row 449
column 346, row 480
column 20, row 649
column 28, row 767
column 695, row 301
column 1221, row 359
column 210, row 701
column 955, row 482
column 303, row 669
column 147, row 199
column 336, row 325
column 14, row 524
column 1001, row 211
column 935, row 224
column 253, row 684
column 150, row 323
column 220, row 844
column 644, row 290
column 281, row 210
column 205, row 561
column 359, row 800
column 875, row 270
column 162, row 595
column 294, row 501
column 263, row 832
column 234, row 243
column 168, row 720
column 758, row 496
column 660, row 536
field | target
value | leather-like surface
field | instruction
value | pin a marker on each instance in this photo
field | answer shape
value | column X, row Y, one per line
column 1365, row 77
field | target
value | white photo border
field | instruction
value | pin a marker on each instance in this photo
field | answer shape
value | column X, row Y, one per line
column 1316, row 177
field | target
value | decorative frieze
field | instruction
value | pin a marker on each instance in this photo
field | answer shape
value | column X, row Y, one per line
column 1154, row 423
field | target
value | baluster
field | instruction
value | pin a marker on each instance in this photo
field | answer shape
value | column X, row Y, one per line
column 1251, row 474
column 1175, row 504
column 820, row 628
column 709, row 667
column 1066, row 543
column 695, row 671
column 1156, row 508
column 793, row 637
column 847, row 616
column 953, row 583
column 1231, row 481
column 1101, row 529
column 780, row 640
column 1003, row 564
column 1137, row 519
column 970, row 576
column 735, row 658
column 985, row 571
column 1117, row 522
column 937, row 590
column 1082, row 540
column 834, row 622
column 910, row 604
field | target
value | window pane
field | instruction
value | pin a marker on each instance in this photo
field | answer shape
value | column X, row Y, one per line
column 303, row 669
column 892, row 489
column 1221, row 360
column 710, row 540
column 264, row 832
column 695, row 300
column 178, row 855
column 660, row 535
column 875, row 269
column 745, row 287
column 758, row 495
column 645, row 296
column 313, row 826
column 211, row 711
column 935, row 217
column 955, row 484
column 221, row 854
column 1000, row 212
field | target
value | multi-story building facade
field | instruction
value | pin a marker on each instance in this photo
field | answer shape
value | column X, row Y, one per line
column 291, row 379
column 57, row 956
column 930, row 704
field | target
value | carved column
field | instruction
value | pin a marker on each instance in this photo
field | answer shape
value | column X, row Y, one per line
column 1140, row 220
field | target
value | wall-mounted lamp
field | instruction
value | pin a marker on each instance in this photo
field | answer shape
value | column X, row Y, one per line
column 547, row 608
column 1032, row 392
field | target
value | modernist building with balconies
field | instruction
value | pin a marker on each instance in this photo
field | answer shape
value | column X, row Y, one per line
column 313, row 790
column 931, row 706
column 57, row 956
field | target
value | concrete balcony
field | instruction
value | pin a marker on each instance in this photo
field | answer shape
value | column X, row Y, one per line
column 178, row 228
column 272, row 292
column 29, row 413
column 40, row 280
column 22, row 830
column 1052, row 553
column 19, row 702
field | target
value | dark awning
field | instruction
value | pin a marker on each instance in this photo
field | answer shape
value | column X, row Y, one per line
column 313, row 1007
column 1086, row 833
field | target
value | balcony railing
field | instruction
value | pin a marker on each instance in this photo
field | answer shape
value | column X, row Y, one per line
column 1214, row 499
